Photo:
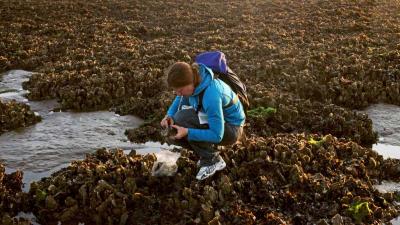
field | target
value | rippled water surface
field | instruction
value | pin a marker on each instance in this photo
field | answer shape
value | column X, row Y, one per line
column 61, row 137
column 386, row 121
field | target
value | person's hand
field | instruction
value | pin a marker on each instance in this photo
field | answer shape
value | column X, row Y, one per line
column 181, row 132
column 166, row 122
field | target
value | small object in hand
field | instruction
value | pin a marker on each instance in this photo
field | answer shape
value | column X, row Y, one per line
column 164, row 132
column 168, row 132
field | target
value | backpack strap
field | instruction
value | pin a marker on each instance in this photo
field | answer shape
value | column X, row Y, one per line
column 200, row 105
column 233, row 101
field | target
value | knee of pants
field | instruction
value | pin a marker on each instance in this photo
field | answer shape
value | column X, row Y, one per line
column 182, row 117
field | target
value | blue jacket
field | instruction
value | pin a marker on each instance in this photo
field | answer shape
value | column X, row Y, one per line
column 216, row 95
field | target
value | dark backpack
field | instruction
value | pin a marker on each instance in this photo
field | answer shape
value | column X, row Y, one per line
column 216, row 61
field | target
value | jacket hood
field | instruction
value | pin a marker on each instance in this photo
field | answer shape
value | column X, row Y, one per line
column 206, row 76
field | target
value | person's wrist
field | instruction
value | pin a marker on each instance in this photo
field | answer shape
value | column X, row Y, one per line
column 187, row 132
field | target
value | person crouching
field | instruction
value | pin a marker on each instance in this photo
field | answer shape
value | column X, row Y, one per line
column 205, row 113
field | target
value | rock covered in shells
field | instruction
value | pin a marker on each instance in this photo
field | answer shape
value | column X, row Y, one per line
column 12, row 199
column 340, row 52
column 15, row 115
column 273, row 114
column 286, row 178
column 332, row 52
column 290, row 114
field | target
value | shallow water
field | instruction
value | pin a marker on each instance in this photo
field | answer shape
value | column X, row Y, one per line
column 60, row 137
column 386, row 121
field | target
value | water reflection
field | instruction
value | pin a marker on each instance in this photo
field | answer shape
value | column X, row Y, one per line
column 387, row 151
column 61, row 137
column 385, row 120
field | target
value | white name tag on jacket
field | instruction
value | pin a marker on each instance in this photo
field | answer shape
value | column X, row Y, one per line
column 203, row 118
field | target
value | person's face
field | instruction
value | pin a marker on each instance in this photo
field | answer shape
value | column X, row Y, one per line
column 185, row 90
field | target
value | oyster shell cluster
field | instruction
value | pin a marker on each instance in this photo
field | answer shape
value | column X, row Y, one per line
column 14, row 114
column 337, row 52
column 307, row 65
column 288, row 114
column 12, row 199
column 289, row 178
column 297, row 115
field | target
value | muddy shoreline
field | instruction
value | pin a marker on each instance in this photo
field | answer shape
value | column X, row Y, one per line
column 309, row 161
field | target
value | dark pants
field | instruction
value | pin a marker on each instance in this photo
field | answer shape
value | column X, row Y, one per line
column 207, row 151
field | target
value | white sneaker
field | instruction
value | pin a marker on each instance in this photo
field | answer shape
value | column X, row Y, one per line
column 207, row 171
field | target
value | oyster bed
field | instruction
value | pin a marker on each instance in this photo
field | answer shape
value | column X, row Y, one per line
column 14, row 115
column 341, row 52
column 288, row 115
column 12, row 199
column 286, row 178
column 307, row 65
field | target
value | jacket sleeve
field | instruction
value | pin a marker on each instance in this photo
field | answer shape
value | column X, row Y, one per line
column 212, row 104
column 173, row 108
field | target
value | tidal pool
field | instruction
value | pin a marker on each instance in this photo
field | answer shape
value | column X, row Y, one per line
column 60, row 137
column 386, row 122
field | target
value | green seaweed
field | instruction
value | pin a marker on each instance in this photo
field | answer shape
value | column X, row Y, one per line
column 317, row 143
column 261, row 112
column 40, row 195
column 359, row 211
